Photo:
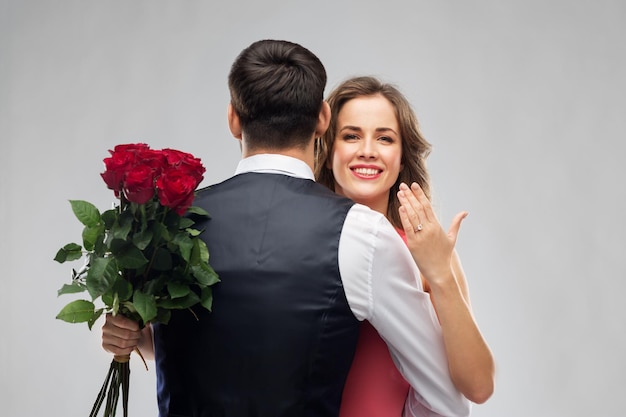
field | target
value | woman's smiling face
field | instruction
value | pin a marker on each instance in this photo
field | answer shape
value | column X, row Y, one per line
column 367, row 152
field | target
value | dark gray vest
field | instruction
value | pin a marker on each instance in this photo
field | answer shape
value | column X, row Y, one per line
column 281, row 336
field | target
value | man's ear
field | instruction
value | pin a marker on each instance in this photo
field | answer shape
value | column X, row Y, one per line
column 233, row 122
column 323, row 120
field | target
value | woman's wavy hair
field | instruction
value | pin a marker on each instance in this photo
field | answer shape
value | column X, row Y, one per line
column 415, row 149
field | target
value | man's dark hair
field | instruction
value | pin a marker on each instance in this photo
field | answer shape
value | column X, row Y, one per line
column 277, row 89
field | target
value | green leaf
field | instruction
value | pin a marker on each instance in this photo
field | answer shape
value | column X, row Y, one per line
column 205, row 274
column 117, row 245
column 91, row 235
column 185, row 223
column 78, row 311
column 206, row 298
column 100, row 248
column 72, row 288
column 145, row 305
column 187, row 301
column 177, row 290
column 101, row 276
column 160, row 232
column 171, row 221
column 162, row 260
column 122, row 227
column 193, row 232
column 85, row 212
column 200, row 253
column 128, row 307
column 123, row 288
column 185, row 245
column 109, row 218
column 198, row 210
column 153, row 209
column 155, row 285
column 94, row 318
column 143, row 239
column 120, row 291
column 69, row 252
column 131, row 257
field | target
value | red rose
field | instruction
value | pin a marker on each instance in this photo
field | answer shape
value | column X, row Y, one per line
column 139, row 183
column 135, row 169
column 174, row 157
column 122, row 159
column 154, row 159
column 130, row 147
column 175, row 189
column 185, row 162
column 115, row 170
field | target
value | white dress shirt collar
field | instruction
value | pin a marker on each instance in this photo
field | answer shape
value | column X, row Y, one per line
column 275, row 164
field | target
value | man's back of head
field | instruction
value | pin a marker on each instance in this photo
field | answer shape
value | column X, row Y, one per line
column 277, row 91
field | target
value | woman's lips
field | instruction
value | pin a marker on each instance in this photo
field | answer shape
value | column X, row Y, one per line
column 366, row 172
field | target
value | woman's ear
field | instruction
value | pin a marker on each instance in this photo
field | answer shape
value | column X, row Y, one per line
column 323, row 120
column 234, row 123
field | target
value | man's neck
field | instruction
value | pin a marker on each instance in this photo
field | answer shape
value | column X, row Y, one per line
column 306, row 155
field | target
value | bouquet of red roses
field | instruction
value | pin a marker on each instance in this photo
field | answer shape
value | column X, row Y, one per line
column 143, row 258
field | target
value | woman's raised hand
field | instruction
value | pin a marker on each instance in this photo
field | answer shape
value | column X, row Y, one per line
column 430, row 245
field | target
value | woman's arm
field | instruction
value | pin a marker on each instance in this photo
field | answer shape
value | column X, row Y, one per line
column 471, row 363
column 472, row 367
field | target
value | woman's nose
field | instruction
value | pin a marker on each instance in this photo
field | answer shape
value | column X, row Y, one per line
column 367, row 149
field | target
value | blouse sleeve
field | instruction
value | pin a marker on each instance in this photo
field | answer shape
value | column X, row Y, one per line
column 383, row 285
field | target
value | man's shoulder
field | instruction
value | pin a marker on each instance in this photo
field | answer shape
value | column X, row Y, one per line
column 257, row 182
column 209, row 188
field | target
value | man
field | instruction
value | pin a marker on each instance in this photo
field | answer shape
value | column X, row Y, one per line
column 299, row 267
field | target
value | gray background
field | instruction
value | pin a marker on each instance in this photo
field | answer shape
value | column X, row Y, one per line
column 523, row 101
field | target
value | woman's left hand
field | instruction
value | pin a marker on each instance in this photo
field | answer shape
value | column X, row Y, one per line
column 430, row 245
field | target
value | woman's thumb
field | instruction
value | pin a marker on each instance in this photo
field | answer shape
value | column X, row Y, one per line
column 453, row 231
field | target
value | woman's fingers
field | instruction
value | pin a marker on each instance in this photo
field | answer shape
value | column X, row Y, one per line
column 411, row 222
column 414, row 208
column 425, row 203
column 407, row 225
column 419, row 208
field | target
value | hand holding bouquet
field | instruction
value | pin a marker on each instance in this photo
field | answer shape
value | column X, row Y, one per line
column 143, row 258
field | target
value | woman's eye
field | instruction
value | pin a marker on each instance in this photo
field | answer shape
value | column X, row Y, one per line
column 386, row 139
column 350, row 136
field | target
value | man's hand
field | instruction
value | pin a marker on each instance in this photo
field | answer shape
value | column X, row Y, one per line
column 120, row 335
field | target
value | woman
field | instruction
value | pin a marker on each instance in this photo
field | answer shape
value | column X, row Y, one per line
column 373, row 146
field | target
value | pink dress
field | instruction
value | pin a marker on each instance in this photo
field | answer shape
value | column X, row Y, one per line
column 374, row 387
